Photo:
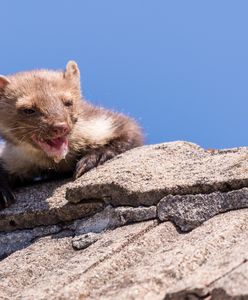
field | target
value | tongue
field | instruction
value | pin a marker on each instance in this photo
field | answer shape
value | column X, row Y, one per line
column 56, row 148
column 59, row 148
column 57, row 143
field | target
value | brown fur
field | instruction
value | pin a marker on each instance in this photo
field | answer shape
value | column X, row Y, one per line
column 95, row 134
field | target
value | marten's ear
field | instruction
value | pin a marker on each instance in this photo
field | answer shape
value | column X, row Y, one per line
column 4, row 81
column 72, row 70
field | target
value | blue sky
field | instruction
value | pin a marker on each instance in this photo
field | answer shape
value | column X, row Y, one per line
column 179, row 67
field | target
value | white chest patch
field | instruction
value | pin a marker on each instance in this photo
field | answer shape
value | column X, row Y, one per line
column 98, row 130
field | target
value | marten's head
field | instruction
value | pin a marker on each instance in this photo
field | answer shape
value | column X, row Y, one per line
column 40, row 108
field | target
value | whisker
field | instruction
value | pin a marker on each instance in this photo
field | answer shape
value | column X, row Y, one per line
column 28, row 134
column 15, row 128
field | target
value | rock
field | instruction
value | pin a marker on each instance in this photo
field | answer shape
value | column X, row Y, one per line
column 111, row 218
column 85, row 240
column 44, row 204
column 146, row 260
column 143, row 176
column 190, row 211
column 233, row 284
column 49, row 265
column 152, row 259
column 87, row 230
column 12, row 241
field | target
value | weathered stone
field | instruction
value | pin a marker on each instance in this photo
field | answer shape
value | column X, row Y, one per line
column 85, row 240
column 139, row 261
column 190, row 211
column 231, row 286
column 221, row 275
column 147, row 260
column 44, row 204
column 234, row 284
column 111, row 218
column 16, row 240
column 145, row 175
column 44, row 269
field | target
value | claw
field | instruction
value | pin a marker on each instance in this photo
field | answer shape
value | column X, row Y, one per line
column 6, row 195
column 92, row 160
column 6, row 198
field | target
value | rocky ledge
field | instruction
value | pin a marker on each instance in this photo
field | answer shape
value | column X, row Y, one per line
column 157, row 222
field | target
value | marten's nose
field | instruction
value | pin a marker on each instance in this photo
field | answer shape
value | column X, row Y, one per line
column 61, row 128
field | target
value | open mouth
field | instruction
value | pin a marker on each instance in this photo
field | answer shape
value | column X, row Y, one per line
column 56, row 148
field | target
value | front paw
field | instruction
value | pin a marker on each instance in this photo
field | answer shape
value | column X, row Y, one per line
column 7, row 197
column 85, row 164
column 92, row 160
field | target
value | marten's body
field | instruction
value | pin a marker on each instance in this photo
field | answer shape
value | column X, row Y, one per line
column 49, row 128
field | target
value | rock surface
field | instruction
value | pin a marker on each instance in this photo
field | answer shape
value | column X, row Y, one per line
column 110, row 218
column 143, row 176
column 87, row 248
column 44, row 204
column 85, row 240
column 190, row 211
column 10, row 242
column 87, row 230
column 146, row 260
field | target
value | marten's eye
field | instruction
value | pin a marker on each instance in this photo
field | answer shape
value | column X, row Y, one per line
column 68, row 103
column 28, row 111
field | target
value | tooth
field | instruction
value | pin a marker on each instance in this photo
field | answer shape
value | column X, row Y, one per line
column 57, row 160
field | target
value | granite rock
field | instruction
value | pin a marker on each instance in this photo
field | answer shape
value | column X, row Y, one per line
column 190, row 211
column 44, row 204
column 16, row 240
column 146, row 260
column 203, row 257
column 113, row 217
column 85, row 240
column 144, row 175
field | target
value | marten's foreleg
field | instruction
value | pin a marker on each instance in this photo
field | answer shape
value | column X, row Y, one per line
column 97, row 156
column 7, row 197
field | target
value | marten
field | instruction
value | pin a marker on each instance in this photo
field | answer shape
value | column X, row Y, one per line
column 48, row 127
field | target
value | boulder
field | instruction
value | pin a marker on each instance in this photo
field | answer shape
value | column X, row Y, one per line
column 44, row 204
column 166, row 221
column 146, row 260
column 143, row 176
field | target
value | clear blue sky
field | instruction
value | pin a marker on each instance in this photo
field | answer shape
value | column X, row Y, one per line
column 179, row 67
